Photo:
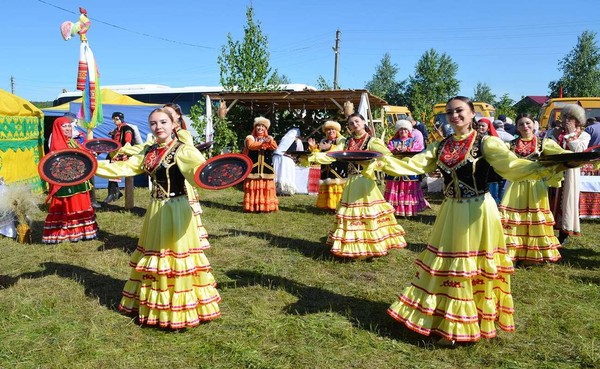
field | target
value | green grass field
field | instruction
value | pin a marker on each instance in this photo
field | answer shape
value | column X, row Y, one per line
column 287, row 303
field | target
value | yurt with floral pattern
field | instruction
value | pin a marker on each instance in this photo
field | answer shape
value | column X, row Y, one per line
column 21, row 141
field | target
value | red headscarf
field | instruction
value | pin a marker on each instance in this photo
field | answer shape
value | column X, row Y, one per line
column 491, row 129
column 58, row 140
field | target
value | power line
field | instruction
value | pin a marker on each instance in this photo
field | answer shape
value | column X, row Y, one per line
column 131, row 31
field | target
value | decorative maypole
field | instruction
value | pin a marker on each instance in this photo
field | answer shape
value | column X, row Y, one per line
column 88, row 81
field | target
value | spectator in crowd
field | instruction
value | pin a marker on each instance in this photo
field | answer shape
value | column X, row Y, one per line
column 593, row 130
column 123, row 134
column 564, row 201
column 419, row 126
column 77, row 135
column 504, row 136
column 508, row 124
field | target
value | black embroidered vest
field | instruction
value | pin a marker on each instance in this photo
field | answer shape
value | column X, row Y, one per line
column 468, row 175
column 167, row 179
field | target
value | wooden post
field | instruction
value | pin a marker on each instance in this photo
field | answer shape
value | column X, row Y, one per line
column 129, row 200
column 95, row 204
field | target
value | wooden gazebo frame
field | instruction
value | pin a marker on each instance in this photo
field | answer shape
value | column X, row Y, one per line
column 268, row 102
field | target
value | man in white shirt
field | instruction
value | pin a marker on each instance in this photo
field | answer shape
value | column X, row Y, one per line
column 504, row 136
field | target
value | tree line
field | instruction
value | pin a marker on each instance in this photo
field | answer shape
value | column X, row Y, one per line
column 244, row 67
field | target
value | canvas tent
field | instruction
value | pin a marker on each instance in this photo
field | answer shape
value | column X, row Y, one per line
column 135, row 113
column 21, row 141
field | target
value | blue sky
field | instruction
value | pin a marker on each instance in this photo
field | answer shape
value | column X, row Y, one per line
column 513, row 46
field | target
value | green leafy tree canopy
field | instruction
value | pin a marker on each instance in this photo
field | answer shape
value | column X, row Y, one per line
column 505, row 105
column 483, row 92
column 244, row 66
column 323, row 84
column 385, row 85
column 580, row 68
column 434, row 81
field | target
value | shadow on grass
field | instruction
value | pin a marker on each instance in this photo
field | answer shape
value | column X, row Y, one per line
column 306, row 209
column 106, row 289
column 111, row 241
column 416, row 247
column 239, row 208
column 363, row 314
column 217, row 205
column 37, row 231
column 580, row 258
column 136, row 210
column 419, row 218
column 434, row 197
column 587, row 280
column 314, row 250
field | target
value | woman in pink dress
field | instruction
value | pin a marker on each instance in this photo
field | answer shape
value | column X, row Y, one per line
column 404, row 193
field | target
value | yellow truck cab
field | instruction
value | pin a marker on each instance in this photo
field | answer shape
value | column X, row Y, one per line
column 441, row 125
column 550, row 110
column 390, row 114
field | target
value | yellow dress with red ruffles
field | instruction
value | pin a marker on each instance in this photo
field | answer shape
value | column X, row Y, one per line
column 525, row 209
column 171, row 284
column 461, row 288
column 365, row 225
column 193, row 196
column 260, row 194
column 332, row 178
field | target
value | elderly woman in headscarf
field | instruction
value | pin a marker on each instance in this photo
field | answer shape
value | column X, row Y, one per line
column 333, row 174
column 259, row 186
column 70, row 215
column 564, row 202
column 404, row 193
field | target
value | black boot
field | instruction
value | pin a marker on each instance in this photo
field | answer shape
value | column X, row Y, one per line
column 562, row 237
column 95, row 203
column 113, row 190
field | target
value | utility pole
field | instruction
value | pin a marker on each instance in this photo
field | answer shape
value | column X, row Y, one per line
column 336, row 50
column 12, row 85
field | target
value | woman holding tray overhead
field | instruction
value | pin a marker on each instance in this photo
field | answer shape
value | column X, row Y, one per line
column 365, row 225
column 71, row 216
column 171, row 284
column 462, row 285
column 525, row 208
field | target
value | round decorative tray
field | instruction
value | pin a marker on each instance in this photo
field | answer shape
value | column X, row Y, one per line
column 101, row 145
column 223, row 171
column 204, row 146
column 67, row 167
column 352, row 156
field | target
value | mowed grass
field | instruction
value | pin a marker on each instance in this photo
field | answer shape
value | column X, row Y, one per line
column 287, row 303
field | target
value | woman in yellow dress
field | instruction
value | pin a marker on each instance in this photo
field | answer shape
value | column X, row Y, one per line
column 462, row 285
column 171, row 284
column 333, row 174
column 525, row 209
column 365, row 225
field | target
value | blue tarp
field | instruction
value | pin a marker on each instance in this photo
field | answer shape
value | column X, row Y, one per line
column 134, row 114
